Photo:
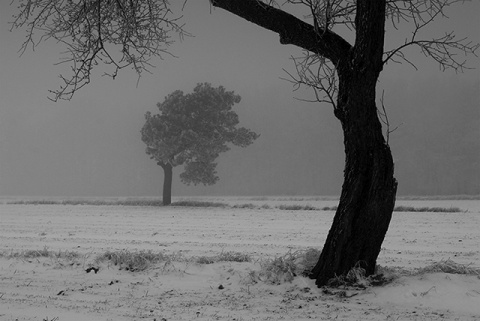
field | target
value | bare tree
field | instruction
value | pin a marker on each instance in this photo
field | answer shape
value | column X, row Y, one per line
column 342, row 73
column 346, row 75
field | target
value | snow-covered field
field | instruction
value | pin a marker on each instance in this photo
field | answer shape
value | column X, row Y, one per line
column 47, row 288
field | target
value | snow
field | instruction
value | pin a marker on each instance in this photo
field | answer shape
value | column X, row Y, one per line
column 54, row 289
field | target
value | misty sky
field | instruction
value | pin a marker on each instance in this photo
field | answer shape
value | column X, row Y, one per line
column 91, row 145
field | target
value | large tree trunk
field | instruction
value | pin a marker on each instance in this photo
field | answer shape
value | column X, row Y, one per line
column 167, row 183
column 369, row 188
column 368, row 193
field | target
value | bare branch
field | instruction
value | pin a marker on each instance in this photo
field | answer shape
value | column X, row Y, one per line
column 292, row 30
column 327, row 14
column 446, row 50
column 317, row 73
column 92, row 29
column 384, row 119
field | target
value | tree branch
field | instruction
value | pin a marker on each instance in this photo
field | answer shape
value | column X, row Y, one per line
column 91, row 28
column 445, row 50
column 292, row 30
column 317, row 73
column 384, row 119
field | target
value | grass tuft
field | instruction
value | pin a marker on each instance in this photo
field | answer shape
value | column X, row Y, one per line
column 249, row 206
column 278, row 270
column 355, row 278
column 285, row 268
column 224, row 257
column 449, row 266
column 133, row 261
column 43, row 253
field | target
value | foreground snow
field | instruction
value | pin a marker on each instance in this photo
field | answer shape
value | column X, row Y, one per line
column 61, row 289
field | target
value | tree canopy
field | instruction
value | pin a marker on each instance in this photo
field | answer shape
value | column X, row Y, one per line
column 193, row 129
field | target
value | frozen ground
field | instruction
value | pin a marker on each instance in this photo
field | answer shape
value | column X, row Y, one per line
column 59, row 289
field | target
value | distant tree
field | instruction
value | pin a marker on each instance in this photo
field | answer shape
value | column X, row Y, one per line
column 193, row 130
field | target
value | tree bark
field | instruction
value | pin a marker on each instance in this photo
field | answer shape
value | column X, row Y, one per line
column 368, row 192
column 167, row 183
column 369, row 189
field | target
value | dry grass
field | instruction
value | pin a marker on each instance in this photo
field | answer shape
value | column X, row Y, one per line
column 133, row 261
column 45, row 253
column 157, row 202
column 427, row 209
column 198, row 204
column 297, row 207
column 224, row 257
column 284, row 268
column 449, row 266
column 248, row 206
column 142, row 260
column 34, row 202
column 439, row 197
column 384, row 275
column 272, row 271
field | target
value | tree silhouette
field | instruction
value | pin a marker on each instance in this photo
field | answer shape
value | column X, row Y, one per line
column 193, row 130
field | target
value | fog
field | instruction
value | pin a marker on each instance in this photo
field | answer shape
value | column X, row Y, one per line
column 91, row 145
